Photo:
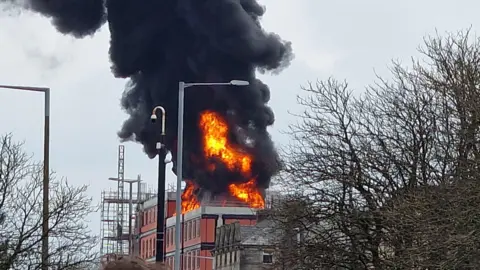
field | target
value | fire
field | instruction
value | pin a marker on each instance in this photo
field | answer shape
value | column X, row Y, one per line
column 216, row 145
column 215, row 141
column 247, row 193
column 189, row 201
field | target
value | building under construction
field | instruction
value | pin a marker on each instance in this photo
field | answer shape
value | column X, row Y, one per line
column 118, row 212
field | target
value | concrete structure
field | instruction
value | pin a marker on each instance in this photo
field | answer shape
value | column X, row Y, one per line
column 241, row 247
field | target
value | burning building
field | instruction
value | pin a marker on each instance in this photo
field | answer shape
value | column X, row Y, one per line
column 199, row 228
column 156, row 44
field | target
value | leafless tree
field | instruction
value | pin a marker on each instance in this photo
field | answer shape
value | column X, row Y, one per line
column 388, row 178
column 71, row 242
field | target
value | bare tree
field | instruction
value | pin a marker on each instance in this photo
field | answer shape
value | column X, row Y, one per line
column 71, row 242
column 388, row 178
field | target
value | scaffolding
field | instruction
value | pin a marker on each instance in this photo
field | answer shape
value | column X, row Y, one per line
column 117, row 212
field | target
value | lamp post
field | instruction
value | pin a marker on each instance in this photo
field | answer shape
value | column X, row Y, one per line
column 178, row 194
column 162, row 153
column 46, row 165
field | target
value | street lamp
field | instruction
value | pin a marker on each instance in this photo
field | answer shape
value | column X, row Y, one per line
column 46, row 165
column 162, row 153
column 178, row 199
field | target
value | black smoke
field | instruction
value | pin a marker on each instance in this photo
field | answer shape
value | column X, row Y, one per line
column 157, row 43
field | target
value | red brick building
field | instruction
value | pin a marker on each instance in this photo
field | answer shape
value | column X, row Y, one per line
column 198, row 230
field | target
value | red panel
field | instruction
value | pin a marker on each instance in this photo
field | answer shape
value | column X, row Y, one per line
column 170, row 208
column 205, row 264
column 208, row 230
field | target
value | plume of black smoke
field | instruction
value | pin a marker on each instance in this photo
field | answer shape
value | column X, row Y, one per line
column 157, row 43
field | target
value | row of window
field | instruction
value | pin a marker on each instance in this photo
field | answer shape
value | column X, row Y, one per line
column 147, row 249
column 191, row 260
column 227, row 258
column 230, row 258
column 149, row 216
column 191, row 231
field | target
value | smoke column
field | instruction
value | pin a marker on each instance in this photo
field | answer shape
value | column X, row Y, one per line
column 157, row 43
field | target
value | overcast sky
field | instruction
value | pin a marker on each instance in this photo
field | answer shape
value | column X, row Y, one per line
column 345, row 39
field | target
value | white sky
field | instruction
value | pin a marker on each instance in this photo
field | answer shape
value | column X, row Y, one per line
column 345, row 39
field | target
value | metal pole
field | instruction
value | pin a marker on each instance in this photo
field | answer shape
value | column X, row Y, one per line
column 161, row 204
column 138, row 217
column 130, row 226
column 46, row 166
column 162, row 153
column 46, row 181
column 178, row 199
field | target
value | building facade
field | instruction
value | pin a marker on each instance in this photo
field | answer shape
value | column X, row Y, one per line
column 199, row 229
column 199, row 232
column 241, row 247
column 146, row 227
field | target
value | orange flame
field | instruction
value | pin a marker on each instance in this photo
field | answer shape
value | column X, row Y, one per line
column 189, row 201
column 247, row 193
column 216, row 145
column 215, row 141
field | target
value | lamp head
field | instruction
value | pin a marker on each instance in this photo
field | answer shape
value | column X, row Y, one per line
column 239, row 83
column 153, row 118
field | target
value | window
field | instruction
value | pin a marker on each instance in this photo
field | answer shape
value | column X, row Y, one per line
column 194, row 229
column 166, row 236
column 147, row 249
column 197, row 253
column 189, row 260
column 154, row 247
column 184, row 235
column 151, row 247
column 267, row 257
column 198, row 227
column 189, row 230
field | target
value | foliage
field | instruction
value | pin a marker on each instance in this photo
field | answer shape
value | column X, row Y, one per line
column 388, row 179
column 71, row 242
